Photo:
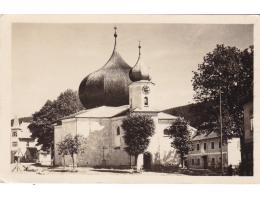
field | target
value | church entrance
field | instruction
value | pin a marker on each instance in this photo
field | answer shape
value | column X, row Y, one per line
column 147, row 161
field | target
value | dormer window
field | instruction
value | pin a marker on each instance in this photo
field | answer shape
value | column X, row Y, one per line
column 145, row 101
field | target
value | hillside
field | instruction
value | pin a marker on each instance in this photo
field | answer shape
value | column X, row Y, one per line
column 195, row 113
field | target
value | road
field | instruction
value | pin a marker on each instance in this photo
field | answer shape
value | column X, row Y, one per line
column 89, row 175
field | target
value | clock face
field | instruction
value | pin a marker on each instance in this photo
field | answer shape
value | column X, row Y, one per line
column 146, row 89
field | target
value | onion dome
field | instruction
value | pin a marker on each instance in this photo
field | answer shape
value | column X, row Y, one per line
column 108, row 85
column 139, row 71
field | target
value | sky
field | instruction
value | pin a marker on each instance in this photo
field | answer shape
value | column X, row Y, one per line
column 47, row 58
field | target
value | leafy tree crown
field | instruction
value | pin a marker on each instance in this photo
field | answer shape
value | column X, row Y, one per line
column 138, row 129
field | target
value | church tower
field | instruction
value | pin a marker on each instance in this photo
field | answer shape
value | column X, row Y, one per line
column 141, row 89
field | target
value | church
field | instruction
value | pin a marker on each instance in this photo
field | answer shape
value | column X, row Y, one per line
column 109, row 95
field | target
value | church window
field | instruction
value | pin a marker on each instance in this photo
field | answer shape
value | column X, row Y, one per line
column 118, row 131
column 166, row 132
column 145, row 101
column 192, row 161
column 198, row 147
column 117, row 137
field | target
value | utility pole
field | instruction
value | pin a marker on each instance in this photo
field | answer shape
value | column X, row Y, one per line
column 221, row 134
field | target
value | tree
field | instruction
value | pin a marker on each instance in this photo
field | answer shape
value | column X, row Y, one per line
column 62, row 150
column 72, row 145
column 138, row 130
column 181, row 137
column 229, row 71
column 42, row 124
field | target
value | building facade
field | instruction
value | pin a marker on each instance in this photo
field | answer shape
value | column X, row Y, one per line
column 109, row 95
column 247, row 152
column 22, row 145
column 206, row 152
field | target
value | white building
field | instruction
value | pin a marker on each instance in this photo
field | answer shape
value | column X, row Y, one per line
column 109, row 95
column 206, row 152
column 21, row 142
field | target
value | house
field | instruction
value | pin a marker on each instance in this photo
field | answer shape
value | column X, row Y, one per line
column 206, row 152
column 247, row 150
column 21, row 140
column 109, row 95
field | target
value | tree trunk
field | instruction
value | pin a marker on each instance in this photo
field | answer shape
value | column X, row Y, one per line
column 130, row 161
column 72, row 156
column 182, row 161
column 242, row 149
column 64, row 164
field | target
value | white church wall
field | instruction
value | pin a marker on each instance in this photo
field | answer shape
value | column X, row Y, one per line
column 97, row 132
column 137, row 95
column 160, row 145
column 119, row 156
column 106, row 147
column 134, row 95
column 58, row 135
column 68, row 127
column 98, row 141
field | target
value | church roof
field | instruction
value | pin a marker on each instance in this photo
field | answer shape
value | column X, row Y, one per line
column 108, row 85
column 140, row 71
column 110, row 111
column 100, row 112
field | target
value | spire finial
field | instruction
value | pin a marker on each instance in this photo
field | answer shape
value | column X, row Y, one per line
column 115, row 34
column 139, row 46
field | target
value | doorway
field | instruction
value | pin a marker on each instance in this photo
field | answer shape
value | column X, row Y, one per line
column 205, row 162
column 147, row 158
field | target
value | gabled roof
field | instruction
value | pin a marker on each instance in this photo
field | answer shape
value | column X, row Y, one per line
column 22, row 119
column 100, row 112
column 204, row 136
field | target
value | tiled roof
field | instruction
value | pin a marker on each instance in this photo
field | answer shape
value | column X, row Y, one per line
column 202, row 136
column 99, row 112
column 22, row 119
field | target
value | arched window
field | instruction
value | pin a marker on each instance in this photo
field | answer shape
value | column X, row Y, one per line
column 146, row 101
column 118, row 131
column 166, row 132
